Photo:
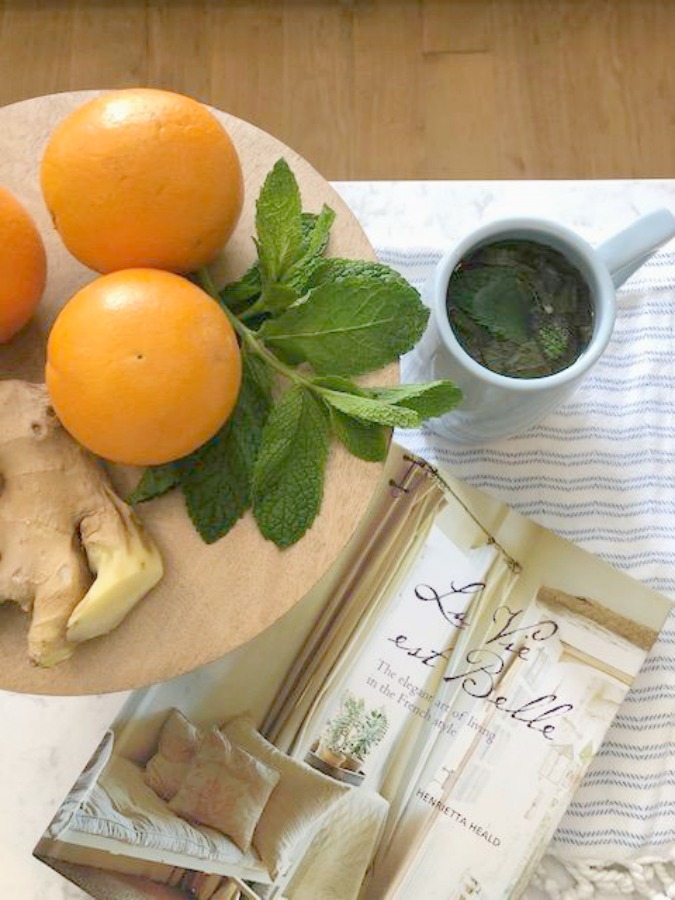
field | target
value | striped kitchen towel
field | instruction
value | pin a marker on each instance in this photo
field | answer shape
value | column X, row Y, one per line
column 600, row 471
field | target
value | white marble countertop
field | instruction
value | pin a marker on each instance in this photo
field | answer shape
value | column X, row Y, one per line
column 46, row 741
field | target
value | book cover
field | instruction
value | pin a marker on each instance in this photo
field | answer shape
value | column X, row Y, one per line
column 415, row 727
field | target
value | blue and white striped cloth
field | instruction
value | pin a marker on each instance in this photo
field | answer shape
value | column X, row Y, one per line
column 600, row 471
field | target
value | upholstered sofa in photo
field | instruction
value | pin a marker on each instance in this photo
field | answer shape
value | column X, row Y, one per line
column 222, row 801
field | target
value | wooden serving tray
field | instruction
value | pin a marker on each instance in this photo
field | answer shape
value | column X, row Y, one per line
column 212, row 598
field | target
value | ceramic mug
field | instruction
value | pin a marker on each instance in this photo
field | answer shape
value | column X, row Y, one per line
column 496, row 406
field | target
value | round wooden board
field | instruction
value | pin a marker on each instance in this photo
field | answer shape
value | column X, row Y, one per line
column 213, row 598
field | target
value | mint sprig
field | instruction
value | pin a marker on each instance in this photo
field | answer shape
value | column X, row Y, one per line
column 304, row 324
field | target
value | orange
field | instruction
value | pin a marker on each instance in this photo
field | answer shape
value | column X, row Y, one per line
column 143, row 366
column 23, row 266
column 142, row 177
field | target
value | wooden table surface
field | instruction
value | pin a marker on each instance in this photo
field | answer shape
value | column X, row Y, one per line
column 368, row 89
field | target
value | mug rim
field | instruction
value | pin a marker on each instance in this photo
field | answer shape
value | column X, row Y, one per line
column 602, row 296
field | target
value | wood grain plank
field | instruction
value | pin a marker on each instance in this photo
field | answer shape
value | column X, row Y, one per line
column 561, row 105
column 456, row 26
column 568, row 88
column 30, row 32
column 180, row 45
column 458, row 101
column 109, row 45
column 318, row 106
column 641, row 41
column 388, row 136
column 247, row 63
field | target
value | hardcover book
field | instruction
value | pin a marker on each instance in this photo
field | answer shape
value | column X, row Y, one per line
column 415, row 727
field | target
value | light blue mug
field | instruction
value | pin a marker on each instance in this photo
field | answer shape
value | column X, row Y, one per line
column 496, row 406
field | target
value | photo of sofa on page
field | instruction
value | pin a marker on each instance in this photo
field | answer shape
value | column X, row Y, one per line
column 415, row 727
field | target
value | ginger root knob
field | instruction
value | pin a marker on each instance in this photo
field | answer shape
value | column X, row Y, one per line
column 71, row 552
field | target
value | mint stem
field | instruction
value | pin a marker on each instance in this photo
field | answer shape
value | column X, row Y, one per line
column 254, row 310
column 249, row 339
column 253, row 343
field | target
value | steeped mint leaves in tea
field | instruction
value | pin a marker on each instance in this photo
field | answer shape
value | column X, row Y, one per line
column 520, row 308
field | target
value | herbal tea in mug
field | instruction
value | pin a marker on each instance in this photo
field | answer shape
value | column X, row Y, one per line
column 520, row 308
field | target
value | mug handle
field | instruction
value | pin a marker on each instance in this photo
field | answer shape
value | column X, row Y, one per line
column 624, row 253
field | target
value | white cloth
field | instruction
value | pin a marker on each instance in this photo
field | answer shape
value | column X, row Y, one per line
column 600, row 471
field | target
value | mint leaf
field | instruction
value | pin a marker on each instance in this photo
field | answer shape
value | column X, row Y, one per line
column 335, row 268
column 216, row 478
column 371, row 410
column 316, row 231
column 435, row 398
column 521, row 359
column 155, row 481
column 503, row 308
column 288, row 474
column 425, row 400
column 294, row 282
column 338, row 383
column 351, row 326
column 307, row 223
column 215, row 486
column 554, row 338
column 363, row 439
column 342, row 395
column 298, row 278
column 240, row 294
column 278, row 222
column 275, row 298
column 463, row 286
column 497, row 300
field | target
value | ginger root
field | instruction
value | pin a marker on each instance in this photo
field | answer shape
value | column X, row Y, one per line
column 71, row 551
